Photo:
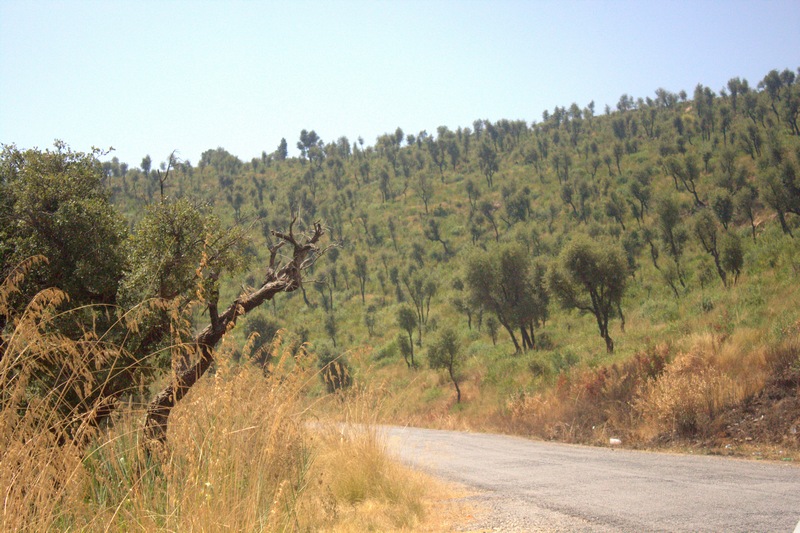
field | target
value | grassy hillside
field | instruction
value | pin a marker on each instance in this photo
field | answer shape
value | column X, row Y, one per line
column 631, row 274
column 700, row 194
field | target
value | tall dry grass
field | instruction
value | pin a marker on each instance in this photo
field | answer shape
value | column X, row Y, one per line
column 661, row 394
column 241, row 454
column 714, row 374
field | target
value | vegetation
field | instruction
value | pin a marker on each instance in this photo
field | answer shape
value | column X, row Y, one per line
column 670, row 221
column 233, row 463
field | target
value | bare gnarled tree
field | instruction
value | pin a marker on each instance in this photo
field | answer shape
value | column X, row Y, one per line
column 285, row 277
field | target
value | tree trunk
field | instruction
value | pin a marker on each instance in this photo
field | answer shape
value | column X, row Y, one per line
column 609, row 343
column 411, row 345
column 784, row 225
column 455, row 382
column 533, row 336
column 517, row 348
column 527, row 342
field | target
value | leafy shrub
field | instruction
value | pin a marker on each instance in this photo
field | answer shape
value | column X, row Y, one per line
column 562, row 361
column 439, row 211
column 334, row 369
column 387, row 351
column 544, row 341
column 540, row 368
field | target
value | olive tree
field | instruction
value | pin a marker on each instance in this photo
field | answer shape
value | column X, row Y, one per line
column 705, row 227
column 407, row 320
column 591, row 277
column 54, row 204
column 505, row 281
column 444, row 353
column 135, row 294
column 487, row 161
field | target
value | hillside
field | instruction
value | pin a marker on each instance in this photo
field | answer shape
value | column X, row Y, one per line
column 630, row 273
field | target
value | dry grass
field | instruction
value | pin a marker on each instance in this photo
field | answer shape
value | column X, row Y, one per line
column 241, row 453
column 362, row 489
column 662, row 394
column 712, row 375
column 588, row 405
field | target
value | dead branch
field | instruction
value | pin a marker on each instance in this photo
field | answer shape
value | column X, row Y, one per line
column 279, row 278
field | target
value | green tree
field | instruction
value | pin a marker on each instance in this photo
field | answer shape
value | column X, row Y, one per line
column 705, row 228
column 723, row 207
column 432, row 233
column 487, row 209
column 472, row 194
column 517, row 203
column 407, row 320
column 745, row 201
column 507, row 283
column 736, row 87
column 54, row 204
column 618, row 151
column 773, row 84
column 424, row 188
column 56, row 217
column 175, row 257
column 487, row 161
column 616, row 209
column 362, row 273
column 370, row 320
column 308, row 139
column 591, row 277
column 406, row 348
column 283, row 150
column 279, row 277
column 146, row 164
column 492, row 326
column 687, row 172
column 331, row 327
column 732, row 255
column 453, row 150
column 780, row 189
column 673, row 233
column 421, row 290
column 640, row 190
column 445, row 353
column 176, row 247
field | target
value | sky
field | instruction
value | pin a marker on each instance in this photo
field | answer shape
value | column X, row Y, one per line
column 149, row 77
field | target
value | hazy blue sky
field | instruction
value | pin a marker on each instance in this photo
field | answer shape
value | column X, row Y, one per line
column 148, row 77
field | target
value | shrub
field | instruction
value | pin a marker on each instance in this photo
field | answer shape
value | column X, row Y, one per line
column 387, row 351
column 334, row 369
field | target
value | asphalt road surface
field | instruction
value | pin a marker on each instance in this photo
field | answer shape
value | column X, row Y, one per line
column 523, row 485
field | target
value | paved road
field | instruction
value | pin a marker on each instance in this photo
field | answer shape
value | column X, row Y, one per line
column 524, row 485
